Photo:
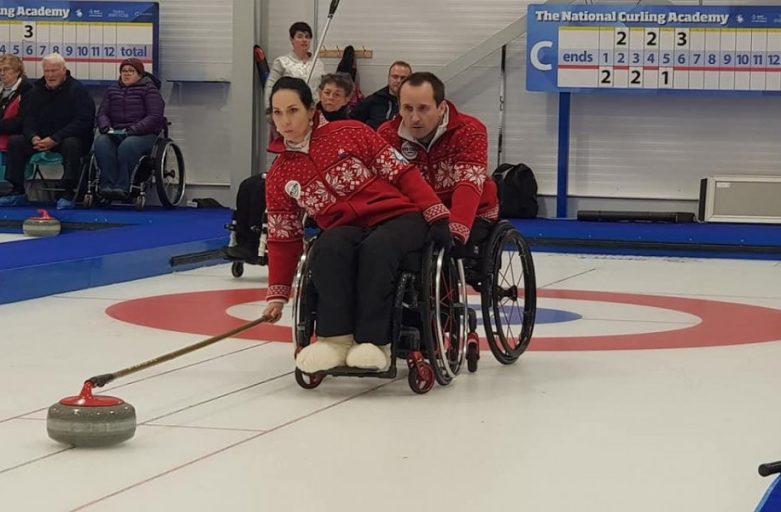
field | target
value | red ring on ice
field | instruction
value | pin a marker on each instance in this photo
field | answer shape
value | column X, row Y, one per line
column 723, row 323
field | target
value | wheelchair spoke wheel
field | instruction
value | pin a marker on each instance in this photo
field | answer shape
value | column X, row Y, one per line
column 509, row 295
column 169, row 174
column 304, row 303
column 444, row 314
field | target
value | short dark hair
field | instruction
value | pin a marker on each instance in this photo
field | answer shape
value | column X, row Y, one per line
column 341, row 80
column 400, row 63
column 293, row 84
column 423, row 77
column 300, row 26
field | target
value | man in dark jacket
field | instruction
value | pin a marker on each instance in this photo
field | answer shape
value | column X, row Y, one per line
column 58, row 115
column 383, row 105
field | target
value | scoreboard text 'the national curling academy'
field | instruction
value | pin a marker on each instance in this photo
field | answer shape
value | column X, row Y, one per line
column 604, row 48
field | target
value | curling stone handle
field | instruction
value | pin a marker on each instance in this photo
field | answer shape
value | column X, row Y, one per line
column 99, row 381
column 44, row 214
column 771, row 468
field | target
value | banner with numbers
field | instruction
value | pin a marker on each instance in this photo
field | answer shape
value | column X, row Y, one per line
column 93, row 37
column 659, row 48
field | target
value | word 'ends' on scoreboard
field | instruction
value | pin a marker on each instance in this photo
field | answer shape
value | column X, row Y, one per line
column 654, row 48
column 93, row 37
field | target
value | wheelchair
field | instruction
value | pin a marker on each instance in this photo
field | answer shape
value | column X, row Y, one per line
column 433, row 328
column 428, row 326
column 163, row 167
column 237, row 267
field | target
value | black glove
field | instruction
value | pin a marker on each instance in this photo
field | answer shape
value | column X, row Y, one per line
column 439, row 233
column 459, row 250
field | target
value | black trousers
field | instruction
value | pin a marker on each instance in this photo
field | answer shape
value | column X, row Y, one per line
column 355, row 272
column 20, row 150
column 250, row 205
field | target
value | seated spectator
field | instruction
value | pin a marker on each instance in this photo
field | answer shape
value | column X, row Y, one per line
column 58, row 115
column 15, row 87
column 335, row 90
column 130, row 118
column 383, row 105
column 298, row 63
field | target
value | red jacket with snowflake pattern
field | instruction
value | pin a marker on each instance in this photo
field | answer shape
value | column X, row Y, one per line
column 456, row 166
column 349, row 177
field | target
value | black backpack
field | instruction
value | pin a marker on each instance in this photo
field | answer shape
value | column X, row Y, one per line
column 517, row 189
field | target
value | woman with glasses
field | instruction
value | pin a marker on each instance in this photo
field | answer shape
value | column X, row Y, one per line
column 130, row 118
column 14, row 87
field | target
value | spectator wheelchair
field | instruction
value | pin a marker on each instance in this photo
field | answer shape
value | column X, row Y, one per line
column 163, row 167
column 433, row 327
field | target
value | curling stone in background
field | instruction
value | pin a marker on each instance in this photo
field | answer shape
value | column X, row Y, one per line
column 91, row 420
column 43, row 225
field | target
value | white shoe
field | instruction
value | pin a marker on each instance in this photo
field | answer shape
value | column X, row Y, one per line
column 328, row 352
column 369, row 356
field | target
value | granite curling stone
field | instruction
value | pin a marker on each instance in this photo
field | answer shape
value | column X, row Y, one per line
column 43, row 225
column 88, row 420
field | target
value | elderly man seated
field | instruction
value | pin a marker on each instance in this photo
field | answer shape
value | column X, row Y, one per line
column 58, row 115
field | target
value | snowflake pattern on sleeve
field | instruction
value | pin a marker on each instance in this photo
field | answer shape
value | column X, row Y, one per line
column 284, row 226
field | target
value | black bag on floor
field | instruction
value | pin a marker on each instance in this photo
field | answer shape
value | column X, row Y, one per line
column 517, row 189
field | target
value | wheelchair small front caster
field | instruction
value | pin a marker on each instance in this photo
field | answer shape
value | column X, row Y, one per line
column 421, row 377
column 237, row 268
column 308, row 380
column 472, row 352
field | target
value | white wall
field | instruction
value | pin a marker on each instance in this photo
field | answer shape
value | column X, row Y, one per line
column 623, row 147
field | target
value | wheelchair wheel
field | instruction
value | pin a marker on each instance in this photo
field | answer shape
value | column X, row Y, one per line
column 303, row 305
column 472, row 356
column 420, row 378
column 169, row 173
column 307, row 380
column 237, row 268
column 444, row 314
column 140, row 202
column 508, row 294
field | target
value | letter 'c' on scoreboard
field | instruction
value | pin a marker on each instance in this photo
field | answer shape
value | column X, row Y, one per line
column 93, row 37
column 654, row 48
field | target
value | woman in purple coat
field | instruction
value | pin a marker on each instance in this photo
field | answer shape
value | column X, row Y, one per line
column 129, row 119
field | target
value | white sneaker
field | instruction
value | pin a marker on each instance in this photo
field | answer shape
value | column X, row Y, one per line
column 369, row 356
column 328, row 352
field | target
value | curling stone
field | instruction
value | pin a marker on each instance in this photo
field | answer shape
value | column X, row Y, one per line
column 43, row 225
column 88, row 420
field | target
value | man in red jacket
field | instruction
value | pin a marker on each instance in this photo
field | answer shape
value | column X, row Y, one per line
column 451, row 150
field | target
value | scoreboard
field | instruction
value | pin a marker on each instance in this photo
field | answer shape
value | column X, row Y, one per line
column 654, row 48
column 93, row 37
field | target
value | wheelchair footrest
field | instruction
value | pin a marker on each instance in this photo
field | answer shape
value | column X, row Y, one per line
column 348, row 371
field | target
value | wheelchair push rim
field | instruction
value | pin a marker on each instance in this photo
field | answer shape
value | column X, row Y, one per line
column 169, row 174
column 445, row 317
column 509, row 296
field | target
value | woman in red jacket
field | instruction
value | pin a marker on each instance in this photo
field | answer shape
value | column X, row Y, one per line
column 372, row 206
column 13, row 86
